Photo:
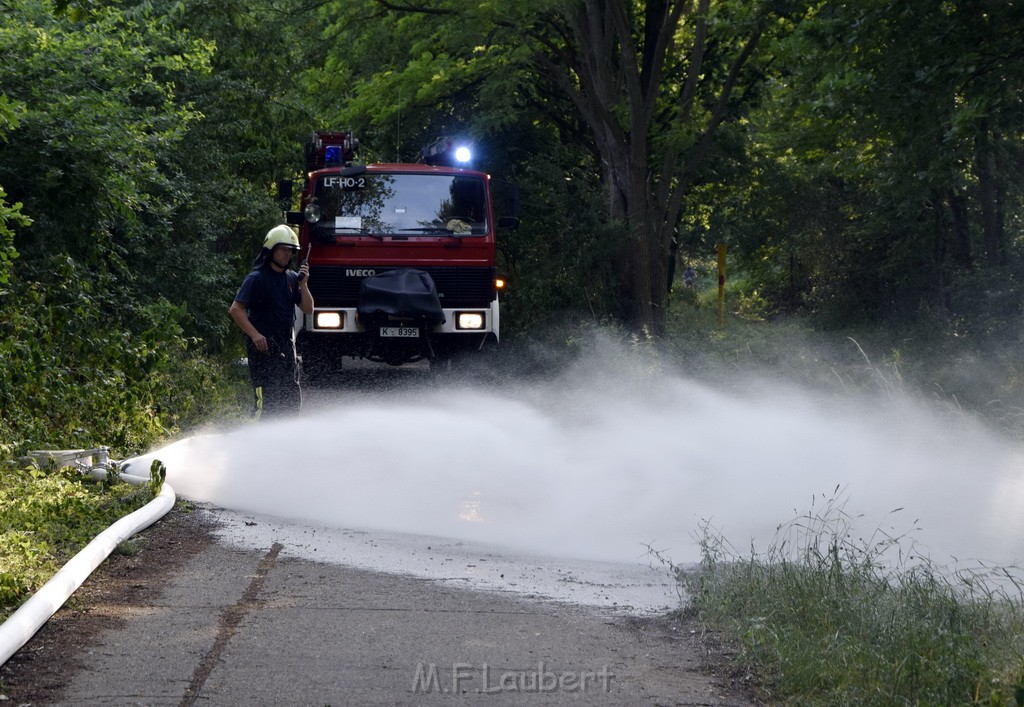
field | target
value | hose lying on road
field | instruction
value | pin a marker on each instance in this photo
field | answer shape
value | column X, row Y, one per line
column 29, row 618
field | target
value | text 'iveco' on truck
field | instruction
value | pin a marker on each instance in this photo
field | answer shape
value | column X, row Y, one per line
column 401, row 257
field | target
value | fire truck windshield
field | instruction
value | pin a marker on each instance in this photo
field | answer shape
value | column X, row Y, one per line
column 401, row 204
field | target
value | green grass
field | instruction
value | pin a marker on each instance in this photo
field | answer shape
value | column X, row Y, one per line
column 47, row 516
column 822, row 619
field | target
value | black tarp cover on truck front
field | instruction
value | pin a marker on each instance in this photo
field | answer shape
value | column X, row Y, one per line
column 400, row 293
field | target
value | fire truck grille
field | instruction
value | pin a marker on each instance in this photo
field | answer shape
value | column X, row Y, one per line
column 338, row 285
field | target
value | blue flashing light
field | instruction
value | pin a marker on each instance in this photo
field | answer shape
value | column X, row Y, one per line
column 334, row 154
column 444, row 151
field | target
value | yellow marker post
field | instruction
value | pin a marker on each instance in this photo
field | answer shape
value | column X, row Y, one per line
column 722, row 249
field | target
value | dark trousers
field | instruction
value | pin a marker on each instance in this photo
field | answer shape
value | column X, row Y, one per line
column 274, row 377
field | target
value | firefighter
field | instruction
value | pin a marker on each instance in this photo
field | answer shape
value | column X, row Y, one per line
column 264, row 309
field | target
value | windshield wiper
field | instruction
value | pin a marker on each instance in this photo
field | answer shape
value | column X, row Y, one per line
column 441, row 230
column 350, row 231
column 430, row 229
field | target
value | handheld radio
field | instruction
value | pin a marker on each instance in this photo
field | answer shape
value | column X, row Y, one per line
column 302, row 275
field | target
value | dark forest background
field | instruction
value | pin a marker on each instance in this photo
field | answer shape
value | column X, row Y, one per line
column 862, row 160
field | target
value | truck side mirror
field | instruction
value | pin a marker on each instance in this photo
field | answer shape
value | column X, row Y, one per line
column 293, row 218
column 285, row 189
column 508, row 222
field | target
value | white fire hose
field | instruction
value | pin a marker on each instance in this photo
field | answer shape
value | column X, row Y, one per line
column 37, row 610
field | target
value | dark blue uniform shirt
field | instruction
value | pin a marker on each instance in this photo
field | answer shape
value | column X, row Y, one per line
column 270, row 298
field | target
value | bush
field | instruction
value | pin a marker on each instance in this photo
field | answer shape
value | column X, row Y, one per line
column 48, row 516
column 86, row 366
column 823, row 619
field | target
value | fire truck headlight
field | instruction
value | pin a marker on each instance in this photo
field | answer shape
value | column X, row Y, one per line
column 313, row 213
column 330, row 320
column 469, row 320
column 463, row 154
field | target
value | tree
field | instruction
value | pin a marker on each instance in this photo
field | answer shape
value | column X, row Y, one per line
column 90, row 349
column 223, row 171
column 98, row 112
column 650, row 85
column 900, row 126
column 150, row 137
column 653, row 83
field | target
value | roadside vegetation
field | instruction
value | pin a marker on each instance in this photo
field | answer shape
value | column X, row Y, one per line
column 821, row 618
column 47, row 516
column 823, row 615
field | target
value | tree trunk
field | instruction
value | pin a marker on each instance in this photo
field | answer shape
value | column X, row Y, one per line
column 612, row 66
column 988, row 197
column 961, row 250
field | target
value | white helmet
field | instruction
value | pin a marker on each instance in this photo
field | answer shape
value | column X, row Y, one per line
column 281, row 235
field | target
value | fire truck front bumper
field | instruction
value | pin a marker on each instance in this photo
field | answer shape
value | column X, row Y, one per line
column 343, row 321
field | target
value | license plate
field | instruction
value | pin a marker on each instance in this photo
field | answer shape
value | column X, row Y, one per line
column 399, row 331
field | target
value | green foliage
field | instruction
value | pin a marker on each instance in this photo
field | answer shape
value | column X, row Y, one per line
column 47, row 516
column 824, row 619
column 255, row 117
column 76, row 376
column 563, row 259
column 9, row 214
column 131, row 223
column 111, row 161
column 886, row 169
column 444, row 71
column 119, row 289
column 98, row 110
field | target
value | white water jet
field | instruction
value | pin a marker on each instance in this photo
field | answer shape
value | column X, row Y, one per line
column 606, row 461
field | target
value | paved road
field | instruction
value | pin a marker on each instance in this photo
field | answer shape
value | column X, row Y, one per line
column 231, row 627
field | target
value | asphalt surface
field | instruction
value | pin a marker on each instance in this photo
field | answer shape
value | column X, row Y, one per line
column 234, row 626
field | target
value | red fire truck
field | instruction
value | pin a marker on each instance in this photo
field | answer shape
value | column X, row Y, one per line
column 401, row 257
